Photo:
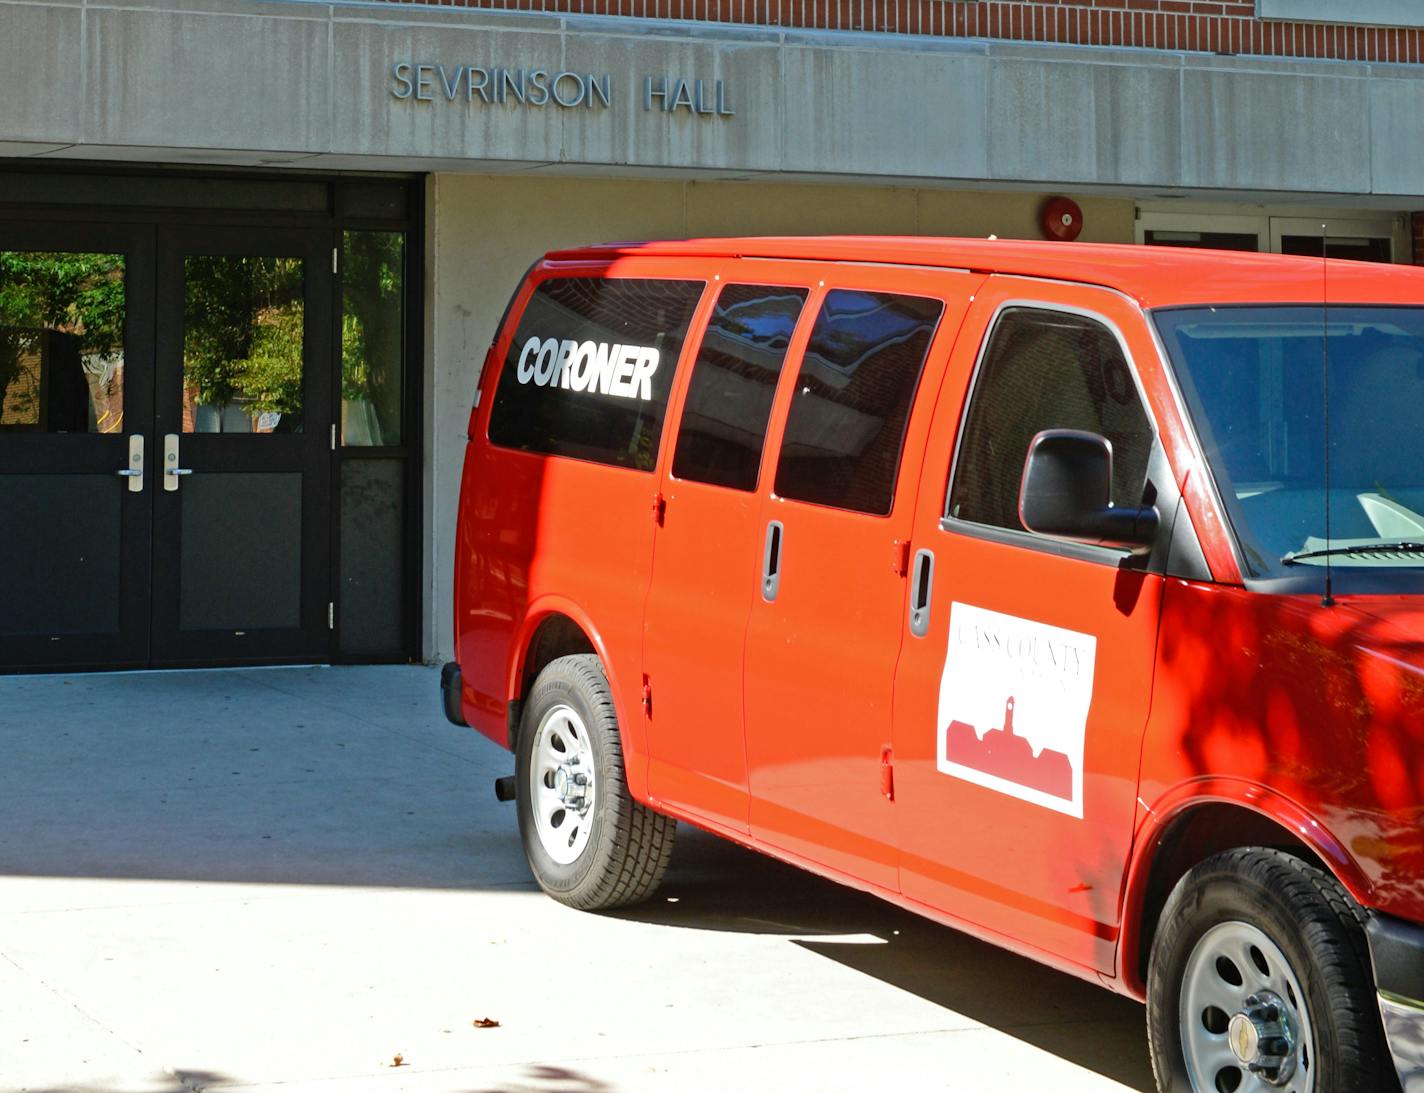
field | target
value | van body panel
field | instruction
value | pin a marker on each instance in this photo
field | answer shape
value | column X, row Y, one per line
column 820, row 658
column 1153, row 276
column 1320, row 706
column 538, row 530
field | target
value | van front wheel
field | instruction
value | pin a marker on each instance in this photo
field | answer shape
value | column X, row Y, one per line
column 589, row 844
column 1259, row 980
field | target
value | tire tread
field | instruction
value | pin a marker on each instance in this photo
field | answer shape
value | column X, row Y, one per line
column 1331, row 924
column 641, row 840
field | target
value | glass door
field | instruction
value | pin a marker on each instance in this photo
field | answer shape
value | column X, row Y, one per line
column 242, row 446
column 76, row 460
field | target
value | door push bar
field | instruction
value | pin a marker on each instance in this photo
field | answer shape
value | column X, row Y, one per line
column 171, row 471
column 134, row 471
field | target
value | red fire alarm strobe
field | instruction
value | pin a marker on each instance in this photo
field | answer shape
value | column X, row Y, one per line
column 1060, row 218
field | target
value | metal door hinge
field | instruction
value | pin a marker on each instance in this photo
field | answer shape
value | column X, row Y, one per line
column 330, row 615
column 900, row 557
column 333, row 436
column 647, row 698
column 335, row 257
column 659, row 509
column 887, row 773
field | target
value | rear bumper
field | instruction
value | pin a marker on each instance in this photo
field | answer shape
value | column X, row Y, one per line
column 1397, row 953
column 450, row 687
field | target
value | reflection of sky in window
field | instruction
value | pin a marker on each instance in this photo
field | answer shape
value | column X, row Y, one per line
column 765, row 322
column 855, row 326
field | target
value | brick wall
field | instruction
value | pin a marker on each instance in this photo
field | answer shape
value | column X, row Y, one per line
column 1212, row 26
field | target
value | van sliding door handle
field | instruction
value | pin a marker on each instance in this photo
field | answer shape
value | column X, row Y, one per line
column 771, row 562
column 921, row 592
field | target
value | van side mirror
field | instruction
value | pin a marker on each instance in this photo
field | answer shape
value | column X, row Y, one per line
column 1066, row 492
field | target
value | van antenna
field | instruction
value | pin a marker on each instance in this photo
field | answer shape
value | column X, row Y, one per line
column 1328, row 600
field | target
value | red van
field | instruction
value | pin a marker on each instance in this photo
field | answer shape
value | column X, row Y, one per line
column 1070, row 595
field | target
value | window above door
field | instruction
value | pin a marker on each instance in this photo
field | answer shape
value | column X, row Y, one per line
column 1382, row 238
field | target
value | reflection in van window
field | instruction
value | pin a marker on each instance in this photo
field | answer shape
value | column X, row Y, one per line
column 1254, row 381
column 729, row 398
column 1046, row 370
column 590, row 367
column 846, row 426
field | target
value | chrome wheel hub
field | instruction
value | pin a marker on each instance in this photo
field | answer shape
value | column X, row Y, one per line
column 1263, row 1039
column 1244, row 1022
column 561, row 784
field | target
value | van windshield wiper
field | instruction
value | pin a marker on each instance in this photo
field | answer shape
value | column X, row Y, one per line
column 1404, row 546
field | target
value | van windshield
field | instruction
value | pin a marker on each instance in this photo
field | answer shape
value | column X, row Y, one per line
column 1254, row 382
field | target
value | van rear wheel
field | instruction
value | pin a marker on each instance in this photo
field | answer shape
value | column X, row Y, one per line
column 589, row 844
column 1259, row 980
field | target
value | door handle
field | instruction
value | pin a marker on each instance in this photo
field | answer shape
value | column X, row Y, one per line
column 921, row 591
column 771, row 562
column 171, row 471
column 134, row 471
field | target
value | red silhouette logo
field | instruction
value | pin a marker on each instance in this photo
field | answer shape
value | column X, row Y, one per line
column 1010, row 757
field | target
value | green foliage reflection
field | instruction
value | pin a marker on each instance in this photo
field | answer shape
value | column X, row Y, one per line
column 79, row 296
column 372, row 337
column 242, row 340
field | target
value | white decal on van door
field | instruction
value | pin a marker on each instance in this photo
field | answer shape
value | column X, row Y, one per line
column 1013, row 706
column 622, row 370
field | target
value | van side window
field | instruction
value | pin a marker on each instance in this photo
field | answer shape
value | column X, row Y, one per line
column 846, row 426
column 733, row 383
column 590, row 367
column 1046, row 370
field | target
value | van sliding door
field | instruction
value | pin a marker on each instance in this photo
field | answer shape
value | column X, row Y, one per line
column 828, row 586
column 706, row 551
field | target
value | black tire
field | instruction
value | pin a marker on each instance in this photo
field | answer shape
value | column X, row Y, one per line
column 1315, row 925
column 628, row 845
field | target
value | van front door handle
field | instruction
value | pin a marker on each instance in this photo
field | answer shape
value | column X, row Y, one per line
column 771, row 562
column 921, row 592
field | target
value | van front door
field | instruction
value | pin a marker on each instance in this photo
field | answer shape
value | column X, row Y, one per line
column 824, row 630
column 1023, row 686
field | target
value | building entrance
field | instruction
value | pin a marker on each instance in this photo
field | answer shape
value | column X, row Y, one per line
column 171, row 411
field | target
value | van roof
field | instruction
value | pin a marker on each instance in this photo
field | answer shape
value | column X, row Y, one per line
column 1154, row 276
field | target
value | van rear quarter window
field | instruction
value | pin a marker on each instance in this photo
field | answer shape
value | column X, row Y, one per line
column 589, row 369
column 846, row 426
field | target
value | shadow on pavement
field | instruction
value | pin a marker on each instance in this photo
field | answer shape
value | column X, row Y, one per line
column 551, row 1079
column 714, row 885
column 348, row 777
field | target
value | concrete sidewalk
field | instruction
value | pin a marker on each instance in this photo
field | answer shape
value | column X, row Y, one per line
column 286, row 878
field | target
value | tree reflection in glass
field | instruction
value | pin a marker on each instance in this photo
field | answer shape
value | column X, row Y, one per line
column 372, row 337
column 242, row 344
column 61, row 342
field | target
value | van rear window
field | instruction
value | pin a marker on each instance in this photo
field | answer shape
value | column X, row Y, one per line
column 590, row 367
